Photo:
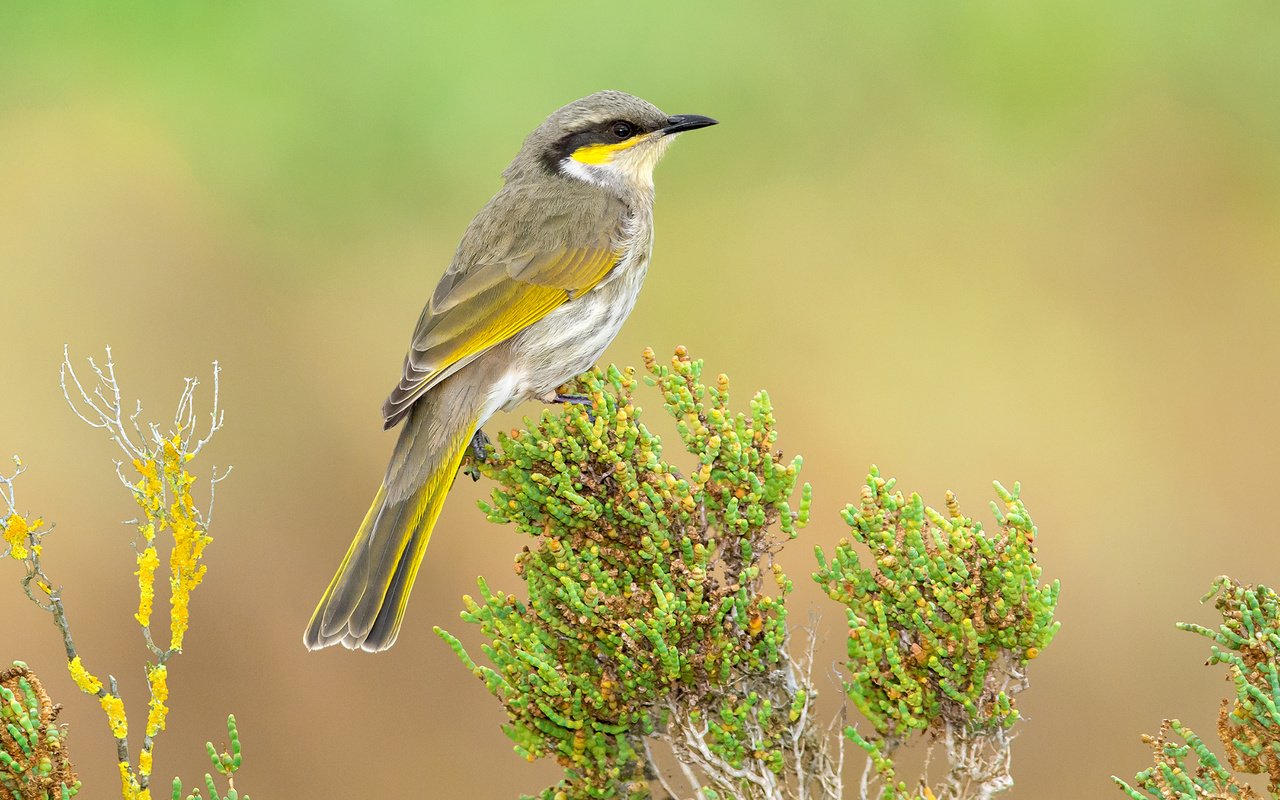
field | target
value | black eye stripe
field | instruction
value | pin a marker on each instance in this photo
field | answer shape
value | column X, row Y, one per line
column 599, row 133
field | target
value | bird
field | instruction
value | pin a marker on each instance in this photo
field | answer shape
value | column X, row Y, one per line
column 540, row 284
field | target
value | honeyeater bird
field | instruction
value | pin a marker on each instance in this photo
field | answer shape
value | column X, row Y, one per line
column 540, row 284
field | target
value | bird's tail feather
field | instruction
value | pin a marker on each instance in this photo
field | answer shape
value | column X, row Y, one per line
column 365, row 602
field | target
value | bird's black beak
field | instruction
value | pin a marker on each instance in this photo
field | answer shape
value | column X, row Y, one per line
column 687, row 122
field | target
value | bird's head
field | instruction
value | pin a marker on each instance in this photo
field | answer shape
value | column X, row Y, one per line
column 610, row 139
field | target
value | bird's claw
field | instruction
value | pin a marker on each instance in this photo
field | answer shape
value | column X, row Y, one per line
column 479, row 448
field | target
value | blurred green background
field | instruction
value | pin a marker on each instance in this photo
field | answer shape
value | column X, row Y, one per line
column 1035, row 242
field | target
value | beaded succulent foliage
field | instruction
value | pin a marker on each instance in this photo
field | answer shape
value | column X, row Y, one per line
column 655, row 634
column 1248, row 643
column 941, row 627
column 647, row 583
column 33, row 753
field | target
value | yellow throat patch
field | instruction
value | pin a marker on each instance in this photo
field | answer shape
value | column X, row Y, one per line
column 603, row 153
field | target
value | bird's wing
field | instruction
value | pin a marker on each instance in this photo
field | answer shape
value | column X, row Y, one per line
column 481, row 305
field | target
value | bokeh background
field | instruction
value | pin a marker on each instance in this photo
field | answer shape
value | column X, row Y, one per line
column 1035, row 242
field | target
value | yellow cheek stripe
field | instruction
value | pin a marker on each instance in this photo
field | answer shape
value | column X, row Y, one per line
column 603, row 153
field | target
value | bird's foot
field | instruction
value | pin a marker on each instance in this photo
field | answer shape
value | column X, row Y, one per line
column 573, row 399
column 479, row 451
column 555, row 398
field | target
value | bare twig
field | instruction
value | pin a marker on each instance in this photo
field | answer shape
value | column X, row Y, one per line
column 809, row 743
column 159, row 458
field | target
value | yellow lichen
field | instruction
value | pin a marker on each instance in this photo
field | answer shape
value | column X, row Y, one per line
column 186, row 571
column 148, row 492
column 114, row 707
column 157, row 680
column 147, row 563
column 17, row 532
column 129, row 784
column 82, row 677
column 167, row 471
column 189, row 540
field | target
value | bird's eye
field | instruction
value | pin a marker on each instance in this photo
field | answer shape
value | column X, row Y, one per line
column 622, row 130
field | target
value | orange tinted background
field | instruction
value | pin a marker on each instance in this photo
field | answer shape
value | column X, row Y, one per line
column 1036, row 243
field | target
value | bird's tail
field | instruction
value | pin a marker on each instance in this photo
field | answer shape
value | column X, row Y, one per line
column 365, row 602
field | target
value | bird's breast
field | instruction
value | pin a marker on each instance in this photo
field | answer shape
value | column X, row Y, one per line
column 568, row 341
